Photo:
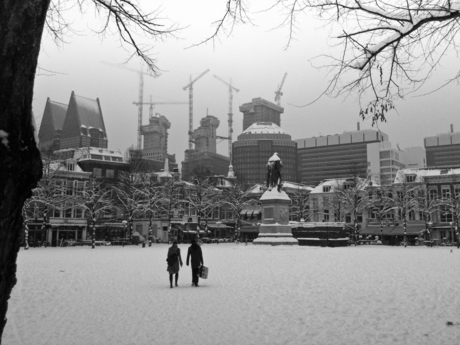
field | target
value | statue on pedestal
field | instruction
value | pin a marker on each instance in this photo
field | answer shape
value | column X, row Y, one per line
column 274, row 167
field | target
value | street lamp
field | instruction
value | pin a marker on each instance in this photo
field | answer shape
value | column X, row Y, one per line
column 430, row 237
column 218, row 224
column 125, row 222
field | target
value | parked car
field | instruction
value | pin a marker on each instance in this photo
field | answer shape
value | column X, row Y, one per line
column 206, row 240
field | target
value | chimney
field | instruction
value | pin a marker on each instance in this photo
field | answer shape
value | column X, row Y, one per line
column 451, row 128
column 358, row 126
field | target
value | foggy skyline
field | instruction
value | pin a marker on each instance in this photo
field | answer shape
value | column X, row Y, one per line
column 253, row 57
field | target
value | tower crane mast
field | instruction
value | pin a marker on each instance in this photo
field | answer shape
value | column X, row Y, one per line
column 278, row 92
column 230, row 113
column 141, row 97
column 190, row 106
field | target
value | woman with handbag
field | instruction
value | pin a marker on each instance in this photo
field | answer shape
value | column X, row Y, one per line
column 194, row 252
column 174, row 259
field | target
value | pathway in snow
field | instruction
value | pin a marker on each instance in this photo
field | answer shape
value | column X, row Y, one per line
column 254, row 295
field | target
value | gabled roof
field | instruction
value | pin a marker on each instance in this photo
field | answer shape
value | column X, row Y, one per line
column 336, row 183
column 52, row 120
column 82, row 112
column 421, row 174
column 89, row 112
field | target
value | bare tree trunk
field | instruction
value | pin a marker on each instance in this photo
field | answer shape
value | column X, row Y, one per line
column 21, row 27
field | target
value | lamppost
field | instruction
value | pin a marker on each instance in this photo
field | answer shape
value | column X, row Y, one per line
column 218, row 229
column 125, row 222
column 430, row 237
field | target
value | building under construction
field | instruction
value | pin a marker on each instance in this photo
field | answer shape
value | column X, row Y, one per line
column 156, row 139
column 204, row 157
column 260, row 110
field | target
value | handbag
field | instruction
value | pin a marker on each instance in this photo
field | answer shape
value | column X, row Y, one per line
column 204, row 272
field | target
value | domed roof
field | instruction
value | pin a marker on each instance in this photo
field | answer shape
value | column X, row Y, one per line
column 264, row 128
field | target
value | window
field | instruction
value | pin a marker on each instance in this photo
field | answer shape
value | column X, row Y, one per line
column 326, row 189
column 78, row 213
column 97, row 172
column 69, row 188
column 110, row 173
column 68, row 213
column 433, row 194
column 446, row 214
column 410, row 178
column 315, row 203
column 326, row 216
column 445, row 192
column 457, row 191
column 70, row 166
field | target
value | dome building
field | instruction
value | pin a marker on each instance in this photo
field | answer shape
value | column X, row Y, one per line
column 256, row 145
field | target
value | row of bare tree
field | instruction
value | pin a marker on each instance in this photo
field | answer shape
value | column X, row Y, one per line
column 135, row 195
column 400, row 201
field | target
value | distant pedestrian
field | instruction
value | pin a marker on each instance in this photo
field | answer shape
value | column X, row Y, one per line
column 174, row 259
column 196, row 255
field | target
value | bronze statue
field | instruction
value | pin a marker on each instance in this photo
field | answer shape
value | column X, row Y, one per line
column 274, row 167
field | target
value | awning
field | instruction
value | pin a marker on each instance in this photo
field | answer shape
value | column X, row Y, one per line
column 249, row 229
column 243, row 212
column 220, row 226
column 375, row 230
column 395, row 230
column 411, row 229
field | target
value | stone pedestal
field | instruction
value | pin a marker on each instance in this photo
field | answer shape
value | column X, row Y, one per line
column 275, row 229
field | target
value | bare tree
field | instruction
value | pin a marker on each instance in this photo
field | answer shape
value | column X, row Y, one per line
column 427, row 204
column 335, row 207
column 450, row 204
column 151, row 199
column 382, row 49
column 21, row 28
column 128, row 196
column 96, row 201
column 403, row 200
column 236, row 198
column 201, row 197
column 352, row 195
column 299, row 208
column 381, row 205
column 170, row 199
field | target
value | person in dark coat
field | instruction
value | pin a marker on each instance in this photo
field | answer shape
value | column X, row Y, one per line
column 174, row 259
column 194, row 252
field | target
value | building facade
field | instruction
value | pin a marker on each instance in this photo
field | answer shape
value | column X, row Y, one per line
column 335, row 156
column 204, row 157
column 260, row 110
column 256, row 145
column 443, row 150
column 156, row 138
column 78, row 124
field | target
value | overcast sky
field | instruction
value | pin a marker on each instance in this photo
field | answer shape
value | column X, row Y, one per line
column 253, row 57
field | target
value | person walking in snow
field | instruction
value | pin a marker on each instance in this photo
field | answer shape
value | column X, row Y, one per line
column 174, row 259
column 195, row 253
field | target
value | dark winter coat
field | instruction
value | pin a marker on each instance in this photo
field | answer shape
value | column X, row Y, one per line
column 194, row 251
column 173, row 268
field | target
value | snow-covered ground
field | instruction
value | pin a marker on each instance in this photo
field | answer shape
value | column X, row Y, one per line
column 254, row 295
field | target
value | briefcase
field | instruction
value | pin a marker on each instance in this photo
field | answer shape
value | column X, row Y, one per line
column 204, row 272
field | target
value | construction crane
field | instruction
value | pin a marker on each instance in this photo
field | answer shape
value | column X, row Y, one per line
column 230, row 113
column 278, row 92
column 152, row 105
column 190, row 106
column 141, row 97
